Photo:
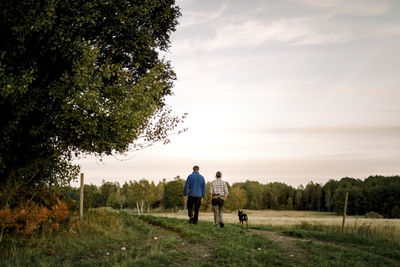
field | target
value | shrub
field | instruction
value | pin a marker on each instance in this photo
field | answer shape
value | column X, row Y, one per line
column 29, row 218
column 373, row 215
column 395, row 212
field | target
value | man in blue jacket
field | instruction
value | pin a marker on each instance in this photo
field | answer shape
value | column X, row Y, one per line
column 195, row 187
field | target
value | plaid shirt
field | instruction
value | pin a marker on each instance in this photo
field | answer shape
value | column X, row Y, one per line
column 219, row 187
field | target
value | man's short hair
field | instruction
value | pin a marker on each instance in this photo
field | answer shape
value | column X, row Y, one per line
column 218, row 174
column 196, row 168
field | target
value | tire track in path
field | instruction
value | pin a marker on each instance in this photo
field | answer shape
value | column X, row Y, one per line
column 193, row 252
column 288, row 244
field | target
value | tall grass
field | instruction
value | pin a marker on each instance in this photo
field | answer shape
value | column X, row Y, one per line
column 382, row 240
column 361, row 244
column 110, row 238
column 120, row 239
column 105, row 238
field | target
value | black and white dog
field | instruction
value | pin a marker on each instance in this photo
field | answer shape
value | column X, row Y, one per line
column 243, row 218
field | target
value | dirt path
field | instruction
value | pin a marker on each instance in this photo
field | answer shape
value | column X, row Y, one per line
column 193, row 252
column 288, row 244
column 298, row 254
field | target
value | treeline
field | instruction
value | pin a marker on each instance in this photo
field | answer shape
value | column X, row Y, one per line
column 376, row 194
column 141, row 195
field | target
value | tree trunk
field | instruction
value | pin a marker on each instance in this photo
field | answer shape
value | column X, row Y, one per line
column 137, row 206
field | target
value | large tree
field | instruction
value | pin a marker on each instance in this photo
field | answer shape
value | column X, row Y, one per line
column 237, row 198
column 80, row 76
column 173, row 194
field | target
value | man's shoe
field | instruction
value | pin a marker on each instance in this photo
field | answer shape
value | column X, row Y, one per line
column 222, row 225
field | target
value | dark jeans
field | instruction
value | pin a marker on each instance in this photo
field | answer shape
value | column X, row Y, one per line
column 218, row 202
column 193, row 202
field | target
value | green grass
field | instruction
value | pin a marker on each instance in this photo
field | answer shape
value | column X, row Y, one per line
column 229, row 246
column 161, row 241
column 328, row 254
column 359, row 245
column 98, row 243
column 149, row 241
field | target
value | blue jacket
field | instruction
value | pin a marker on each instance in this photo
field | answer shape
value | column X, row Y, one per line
column 195, row 185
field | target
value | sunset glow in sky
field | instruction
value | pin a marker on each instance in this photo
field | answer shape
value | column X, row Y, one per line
column 278, row 90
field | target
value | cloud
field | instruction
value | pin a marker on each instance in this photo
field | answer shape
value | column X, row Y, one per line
column 354, row 130
column 194, row 17
column 355, row 7
column 363, row 91
column 225, row 28
column 251, row 33
column 301, row 31
column 393, row 30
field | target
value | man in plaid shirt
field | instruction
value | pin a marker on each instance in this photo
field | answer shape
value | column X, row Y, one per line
column 218, row 194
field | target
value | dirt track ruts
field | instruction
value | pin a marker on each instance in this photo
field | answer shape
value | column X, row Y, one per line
column 297, row 253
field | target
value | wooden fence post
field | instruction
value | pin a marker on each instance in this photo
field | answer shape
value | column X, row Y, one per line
column 345, row 210
column 81, row 199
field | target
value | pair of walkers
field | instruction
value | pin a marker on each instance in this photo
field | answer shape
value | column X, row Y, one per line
column 194, row 191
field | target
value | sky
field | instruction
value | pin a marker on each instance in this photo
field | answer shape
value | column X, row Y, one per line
column 287, row 91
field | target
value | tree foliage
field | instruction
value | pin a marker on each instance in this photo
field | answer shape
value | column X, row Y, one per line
column 237, row 198
column 80, row 76
column 376, row 195
column 173, row 194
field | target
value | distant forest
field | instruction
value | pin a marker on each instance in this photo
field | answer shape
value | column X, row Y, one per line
column 378, row 195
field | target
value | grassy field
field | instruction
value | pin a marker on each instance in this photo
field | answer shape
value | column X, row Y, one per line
column 292, row 218
column 110, row 238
